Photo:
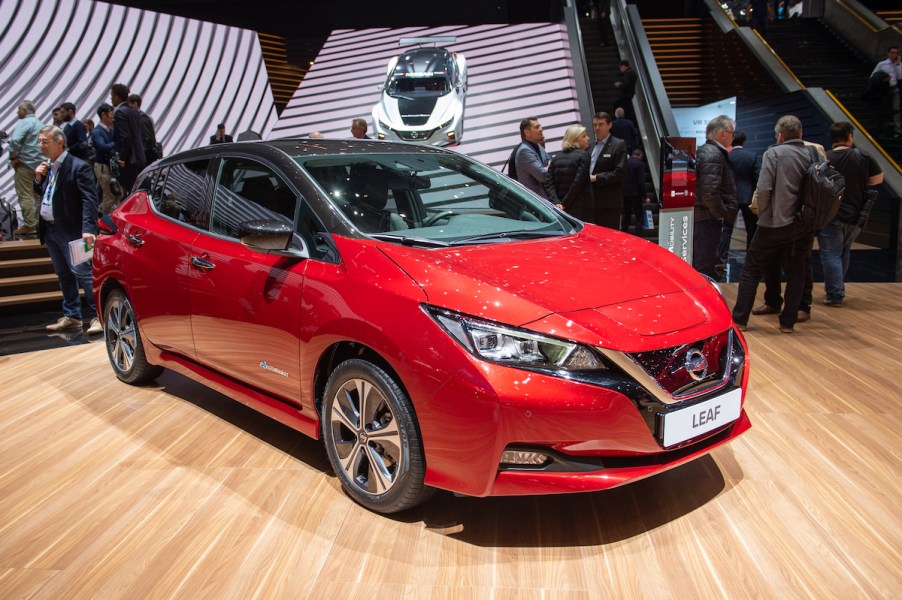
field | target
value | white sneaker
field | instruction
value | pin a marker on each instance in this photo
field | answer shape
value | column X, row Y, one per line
column 65, row 323
column 95, row 327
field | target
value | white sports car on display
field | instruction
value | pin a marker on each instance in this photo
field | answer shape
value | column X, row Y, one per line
column 423, row 98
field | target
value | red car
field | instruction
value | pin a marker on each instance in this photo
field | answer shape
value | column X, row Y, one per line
column 436, row 324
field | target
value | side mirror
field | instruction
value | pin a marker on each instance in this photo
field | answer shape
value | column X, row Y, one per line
column 272, row 237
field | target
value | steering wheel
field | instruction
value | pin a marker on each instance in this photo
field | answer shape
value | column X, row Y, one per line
column 431, row 220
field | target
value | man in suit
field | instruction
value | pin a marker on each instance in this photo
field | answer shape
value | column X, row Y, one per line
column 358, row 129
column 220, row 137
column 745, row 169
column 129, row 137
column 626, row 85
column 607, row 168
column 148, row 130
column 68, row 212
column 624, row 129
column 76, row 132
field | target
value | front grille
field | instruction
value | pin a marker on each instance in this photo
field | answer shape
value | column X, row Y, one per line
column 672, row 368
column 415, row 135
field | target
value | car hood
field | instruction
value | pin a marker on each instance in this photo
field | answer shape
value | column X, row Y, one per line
column 419, row 113
column 604, row 287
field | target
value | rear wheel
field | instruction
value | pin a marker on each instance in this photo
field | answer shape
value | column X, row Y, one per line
column 372, row 440
column 123, row 341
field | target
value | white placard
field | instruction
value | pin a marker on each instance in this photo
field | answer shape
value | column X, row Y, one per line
column 693, row 421
column 79, row 251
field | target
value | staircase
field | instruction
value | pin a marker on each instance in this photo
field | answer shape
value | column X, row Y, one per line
column 27, row 281
column 821, row 59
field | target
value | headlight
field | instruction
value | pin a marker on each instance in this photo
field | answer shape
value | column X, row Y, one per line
column 446, row 123
column 514, row 347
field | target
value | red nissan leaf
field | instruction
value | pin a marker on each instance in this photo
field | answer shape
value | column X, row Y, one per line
column 437, row 325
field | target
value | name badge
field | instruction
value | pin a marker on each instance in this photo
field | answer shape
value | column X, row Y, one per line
column 607, row 155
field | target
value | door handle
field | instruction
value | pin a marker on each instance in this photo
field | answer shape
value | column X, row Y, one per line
column 135, row 240
column 201, row 264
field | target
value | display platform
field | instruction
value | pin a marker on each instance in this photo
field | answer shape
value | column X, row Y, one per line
column 174, row 491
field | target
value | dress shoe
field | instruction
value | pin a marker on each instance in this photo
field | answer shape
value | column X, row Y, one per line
column 24, row 230
column 803, row 316
column 833, row 303
column 766, row 309
column 742, row 327
column 95, row 327
column 786, row 329
column 65, row 323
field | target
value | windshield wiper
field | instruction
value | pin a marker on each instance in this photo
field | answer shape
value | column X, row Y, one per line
column 406, row 240
column 508, row 235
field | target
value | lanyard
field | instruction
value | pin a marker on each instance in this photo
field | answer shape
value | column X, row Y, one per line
column 51, row 184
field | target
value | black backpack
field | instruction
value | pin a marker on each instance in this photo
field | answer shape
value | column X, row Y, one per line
column 821, row 193
column 9, row 220
column 511, row 163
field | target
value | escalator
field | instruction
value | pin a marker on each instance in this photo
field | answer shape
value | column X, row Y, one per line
column 820, row 58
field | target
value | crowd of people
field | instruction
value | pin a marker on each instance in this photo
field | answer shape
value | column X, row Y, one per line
column 769, row 194
column 69, row 172
column 600, row 181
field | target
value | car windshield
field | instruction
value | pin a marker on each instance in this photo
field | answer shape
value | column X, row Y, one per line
column 408, row 85
column 432, row 199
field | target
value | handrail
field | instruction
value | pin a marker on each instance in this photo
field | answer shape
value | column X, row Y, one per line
column 860, row 12
column 654, row 115
column 580, row 69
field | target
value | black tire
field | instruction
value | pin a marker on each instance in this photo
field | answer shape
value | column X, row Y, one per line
column 123, row 341
column 372, row 439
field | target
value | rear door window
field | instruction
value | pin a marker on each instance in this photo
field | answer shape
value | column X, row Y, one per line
column 178, row 192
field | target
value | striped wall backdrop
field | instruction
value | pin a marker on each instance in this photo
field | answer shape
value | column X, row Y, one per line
column 514, row 71
column 190, row 74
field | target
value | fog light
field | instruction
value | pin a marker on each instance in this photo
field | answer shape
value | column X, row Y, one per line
column 451, row 135
column 381, row 136
column 522, row 457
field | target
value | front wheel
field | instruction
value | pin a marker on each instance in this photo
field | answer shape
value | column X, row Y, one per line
column 123, row 341
column 372, row 439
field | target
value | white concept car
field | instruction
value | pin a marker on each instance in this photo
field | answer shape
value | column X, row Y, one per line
column 423, row 98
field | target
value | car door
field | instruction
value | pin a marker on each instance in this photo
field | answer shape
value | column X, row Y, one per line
column 245, row 304
column 159, row 240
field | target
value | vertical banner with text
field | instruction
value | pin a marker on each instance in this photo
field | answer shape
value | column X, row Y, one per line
column 677, row 196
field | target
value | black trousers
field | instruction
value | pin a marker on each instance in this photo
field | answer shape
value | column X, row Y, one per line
column 771, row 249
column 773, row 275
column 705, row 240
column 632, row 205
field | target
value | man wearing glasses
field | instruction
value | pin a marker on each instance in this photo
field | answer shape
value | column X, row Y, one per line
column 715, row 194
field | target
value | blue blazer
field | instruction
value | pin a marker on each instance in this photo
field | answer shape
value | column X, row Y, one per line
column 745, row 169
column 74, row 199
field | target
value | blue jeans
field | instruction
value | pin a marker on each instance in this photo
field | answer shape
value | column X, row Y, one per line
column 70, row 276
column 835, row 243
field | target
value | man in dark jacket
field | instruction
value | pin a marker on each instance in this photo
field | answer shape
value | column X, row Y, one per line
column 148, row 130
column 715, row 194
column 76, row 133
column 627, row 86
column 104, row 152
column 68, row 194
column 633, row 191
column 835, row 240
column 129, row 138
column 607, row 167
column 745, row 169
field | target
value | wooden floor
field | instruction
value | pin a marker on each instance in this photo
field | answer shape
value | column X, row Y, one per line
column 110, row 491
